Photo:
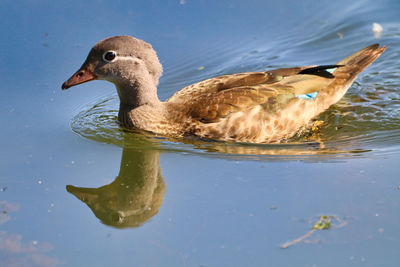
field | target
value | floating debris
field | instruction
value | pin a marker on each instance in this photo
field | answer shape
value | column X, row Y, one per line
column 298, row 240
column 324, row 223
column 377, row 29
column 340, row 35
column 201, row 68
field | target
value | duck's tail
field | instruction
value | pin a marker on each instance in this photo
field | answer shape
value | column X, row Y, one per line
column 347, row 71
column 357, row 62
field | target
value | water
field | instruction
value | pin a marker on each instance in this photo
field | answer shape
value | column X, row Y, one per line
column 77, row 190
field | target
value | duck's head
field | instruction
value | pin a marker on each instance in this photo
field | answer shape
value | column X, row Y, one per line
column 118, row 59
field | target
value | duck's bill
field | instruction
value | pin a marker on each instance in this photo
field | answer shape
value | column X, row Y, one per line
column 81, row 76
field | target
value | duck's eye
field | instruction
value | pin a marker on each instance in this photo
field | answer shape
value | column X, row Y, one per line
column 109, row 56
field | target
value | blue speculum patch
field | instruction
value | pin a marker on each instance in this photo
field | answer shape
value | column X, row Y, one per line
column 310, row 96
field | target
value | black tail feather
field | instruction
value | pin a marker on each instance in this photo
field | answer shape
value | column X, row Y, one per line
column 321, row 70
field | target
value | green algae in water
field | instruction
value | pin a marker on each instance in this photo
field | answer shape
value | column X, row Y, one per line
column 323, row 223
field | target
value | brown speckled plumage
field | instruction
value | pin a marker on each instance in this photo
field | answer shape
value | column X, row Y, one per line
column 256, row 107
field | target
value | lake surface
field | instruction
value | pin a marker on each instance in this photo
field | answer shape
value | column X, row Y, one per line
column 77, row 190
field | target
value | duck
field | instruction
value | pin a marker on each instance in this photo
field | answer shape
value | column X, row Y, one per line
column 253, row 107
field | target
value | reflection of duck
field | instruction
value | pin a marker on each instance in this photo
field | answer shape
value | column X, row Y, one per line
column 257, row 107
column 133, row 197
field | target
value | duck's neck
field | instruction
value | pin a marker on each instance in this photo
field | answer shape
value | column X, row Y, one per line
column 136, row 93
column 139, row 104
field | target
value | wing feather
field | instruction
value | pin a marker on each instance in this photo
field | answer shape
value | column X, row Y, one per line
column 213, row 99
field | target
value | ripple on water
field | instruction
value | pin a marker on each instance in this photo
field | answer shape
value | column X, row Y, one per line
column 366, row 119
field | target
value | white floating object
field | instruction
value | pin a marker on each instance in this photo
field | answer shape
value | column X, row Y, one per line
column 377, row 29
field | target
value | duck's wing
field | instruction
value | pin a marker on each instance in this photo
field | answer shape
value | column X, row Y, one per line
column 230, row 81
column 216, row 98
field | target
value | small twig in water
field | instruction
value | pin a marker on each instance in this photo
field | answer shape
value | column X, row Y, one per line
column 301, row 238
